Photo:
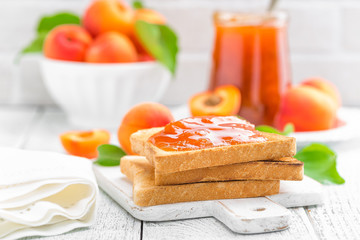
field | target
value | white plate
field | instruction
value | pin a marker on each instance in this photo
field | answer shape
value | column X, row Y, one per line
column 350, row 131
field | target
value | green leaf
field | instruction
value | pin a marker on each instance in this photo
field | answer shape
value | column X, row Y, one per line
column 109, row 155
column 47, row 23
column 160, row 41
column 320, row 163
column 137, row 4
column 288, row 129
column 265, row 128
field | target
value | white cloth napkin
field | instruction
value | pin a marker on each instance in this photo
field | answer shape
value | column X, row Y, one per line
column 44, row 193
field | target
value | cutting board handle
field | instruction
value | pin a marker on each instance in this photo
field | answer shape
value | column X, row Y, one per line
column 252, row 215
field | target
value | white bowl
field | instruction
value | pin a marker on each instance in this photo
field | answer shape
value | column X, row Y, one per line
column 98, row 95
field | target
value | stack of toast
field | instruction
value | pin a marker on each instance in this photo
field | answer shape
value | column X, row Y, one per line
column 236, row 171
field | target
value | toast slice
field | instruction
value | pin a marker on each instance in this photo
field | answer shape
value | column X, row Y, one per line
column 285, row 169
column 276, row 147
column 146, row 193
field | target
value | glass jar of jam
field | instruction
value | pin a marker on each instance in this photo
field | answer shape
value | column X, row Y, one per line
column 251, row 52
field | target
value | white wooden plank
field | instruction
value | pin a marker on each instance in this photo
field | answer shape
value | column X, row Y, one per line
column 339, row 218
column 45, row 133
column 14, row 123
column 112, row 221
column 210, row 228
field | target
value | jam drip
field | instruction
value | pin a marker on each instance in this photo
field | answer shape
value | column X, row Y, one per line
column 205, row 132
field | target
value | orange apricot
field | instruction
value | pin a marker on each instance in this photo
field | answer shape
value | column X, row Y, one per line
column 308, row 108
column 84, row 143
column 144, row 57
column 149, row 15
column 67, row 42
column 324, row 86
column 142, row 116
column 111, row 47
column 108, row 15
column 223, row 101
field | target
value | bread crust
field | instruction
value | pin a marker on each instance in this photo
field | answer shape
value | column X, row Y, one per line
column 146, row 193
column 276, row 147
column 291, row 170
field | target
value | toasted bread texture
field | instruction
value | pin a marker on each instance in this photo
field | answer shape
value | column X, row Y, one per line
column 146, row 193
column 275, row 147
column 283, row 169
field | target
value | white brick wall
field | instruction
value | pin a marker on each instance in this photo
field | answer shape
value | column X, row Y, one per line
column 324, row 40
column 351, row 29
column 313, row 29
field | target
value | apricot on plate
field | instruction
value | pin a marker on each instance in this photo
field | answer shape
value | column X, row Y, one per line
column 223, row 101
column 142, row 116
column 324, row 86
column 67, row 42
column 111, row 47
column 308, row 108
column 108, row 15
column 84, row 143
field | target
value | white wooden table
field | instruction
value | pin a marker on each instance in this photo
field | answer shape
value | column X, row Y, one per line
column 37, row 128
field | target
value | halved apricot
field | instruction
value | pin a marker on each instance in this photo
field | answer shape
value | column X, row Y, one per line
column 84, row 143
column 223, row 101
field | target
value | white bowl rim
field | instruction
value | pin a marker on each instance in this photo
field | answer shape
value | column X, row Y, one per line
column 148, row 64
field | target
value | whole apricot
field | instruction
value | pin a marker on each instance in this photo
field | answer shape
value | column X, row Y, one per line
column 108, row 15
column 308, row 108
column 142, row 116
column 67, row 42
column 145, row 57
column 111, row 47
column 149, row 15
column 326, row 87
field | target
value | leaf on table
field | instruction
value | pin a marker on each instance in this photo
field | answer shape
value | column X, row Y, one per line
column 160, row 41
column 288, row 129
column 268, row 129
column 320, row 163
column 109, row 155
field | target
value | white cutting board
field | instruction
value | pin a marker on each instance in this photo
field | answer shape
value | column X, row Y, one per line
column 247, row 215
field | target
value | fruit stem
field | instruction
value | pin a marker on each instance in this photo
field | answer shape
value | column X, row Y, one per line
column 272, row 5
